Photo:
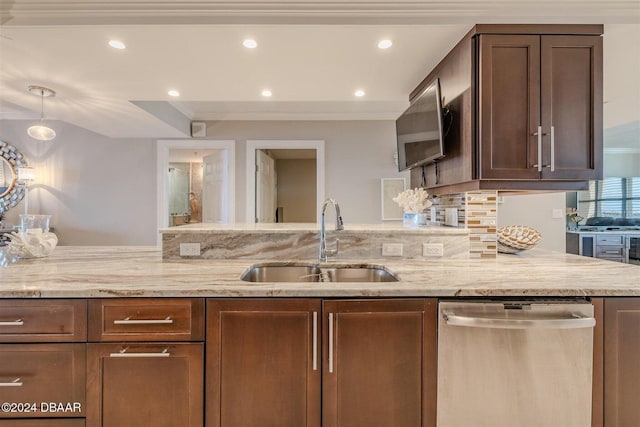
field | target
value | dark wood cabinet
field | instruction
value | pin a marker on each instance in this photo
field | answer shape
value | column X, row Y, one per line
column 263, row 363
column 150, row 384
column 154, row 375
column 68, row 422
column 42, row 380
column 380, row 367
column 540, row 107
column 265, row 358
column 621, row 357
column 527, row 109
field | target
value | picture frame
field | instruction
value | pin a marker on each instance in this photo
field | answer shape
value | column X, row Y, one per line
column 390, row 188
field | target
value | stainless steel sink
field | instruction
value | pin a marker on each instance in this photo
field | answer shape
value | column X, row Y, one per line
column 282, row 273
column 361, row 273
column 287, row 273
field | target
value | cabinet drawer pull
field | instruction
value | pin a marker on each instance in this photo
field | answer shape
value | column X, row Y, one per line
column 129, row 321
column 15, row 383
column 330, row 342
column 17, row 322
column 123, row 353
column 315, row 341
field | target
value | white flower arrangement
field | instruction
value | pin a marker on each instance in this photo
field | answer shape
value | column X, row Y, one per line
column 413, row 200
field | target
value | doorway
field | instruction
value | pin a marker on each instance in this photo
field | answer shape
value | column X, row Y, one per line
column 196, row 182
column 285, row 180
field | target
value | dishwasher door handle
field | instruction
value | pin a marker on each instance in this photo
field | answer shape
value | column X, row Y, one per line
column 573, row 321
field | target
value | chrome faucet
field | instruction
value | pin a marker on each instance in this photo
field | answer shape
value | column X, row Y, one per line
column 325, row 253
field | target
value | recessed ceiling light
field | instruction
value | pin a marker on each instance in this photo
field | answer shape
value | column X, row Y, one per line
column 173, row 92
column 116, row 44
column 250, row 44
column 359, row 93
column 266, row 93
column 385, row 44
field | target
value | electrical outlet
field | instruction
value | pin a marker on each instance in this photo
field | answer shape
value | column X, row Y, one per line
column 557, row 213
column 432, row 249
column 189, row 249
column 392, row 249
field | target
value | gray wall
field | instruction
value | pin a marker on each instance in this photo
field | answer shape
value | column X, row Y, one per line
column 357, row 155
column 99, row 191
column 102, row 191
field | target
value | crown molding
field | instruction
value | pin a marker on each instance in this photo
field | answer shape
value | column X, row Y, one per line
column 140, row 12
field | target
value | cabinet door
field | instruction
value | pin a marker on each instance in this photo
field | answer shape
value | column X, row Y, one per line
column 133, row 385
column 509, row 106
column 263, row 365
column 571, row 98
column 42, row 380
column 621, row 367
column 379, row 367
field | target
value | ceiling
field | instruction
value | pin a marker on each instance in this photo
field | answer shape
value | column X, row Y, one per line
column 312, row 55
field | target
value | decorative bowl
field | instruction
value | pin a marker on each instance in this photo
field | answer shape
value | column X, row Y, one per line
column 515, row 238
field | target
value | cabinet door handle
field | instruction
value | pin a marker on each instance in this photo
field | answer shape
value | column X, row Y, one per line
column 15, row 383
column 315, row 341
column 129, row 321
column 553, row 149
column 123, row 353
column 330, row 342
column 17, row 322
column 539, row 135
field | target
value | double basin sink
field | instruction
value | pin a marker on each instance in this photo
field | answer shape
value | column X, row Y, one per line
column 298, row 272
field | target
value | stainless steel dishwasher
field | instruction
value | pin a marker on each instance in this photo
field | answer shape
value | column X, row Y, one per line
column 515, row 363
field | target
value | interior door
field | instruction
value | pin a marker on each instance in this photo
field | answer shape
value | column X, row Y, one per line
column 265, row 187
column 215, row 196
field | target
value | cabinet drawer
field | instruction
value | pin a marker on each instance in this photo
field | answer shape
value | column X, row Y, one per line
column 154, row 319
column 77, row 422
column 43, row 320
column 610, row 240
column 42, row 380
column 610, row 252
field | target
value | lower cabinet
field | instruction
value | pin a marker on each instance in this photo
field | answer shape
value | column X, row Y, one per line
column 263, row 363
column 141, row 384
column 622, row 362
column 42, row 381
column 60, row 422
column 380, row 368
column 265, row 358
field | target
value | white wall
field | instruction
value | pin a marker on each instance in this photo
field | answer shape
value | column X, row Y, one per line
column 535, row 210
column 99, row 191
column 357, row 155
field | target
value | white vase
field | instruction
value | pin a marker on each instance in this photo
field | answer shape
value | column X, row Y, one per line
column 414, row 220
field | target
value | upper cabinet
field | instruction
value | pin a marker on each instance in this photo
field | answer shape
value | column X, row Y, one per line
column 527, row 104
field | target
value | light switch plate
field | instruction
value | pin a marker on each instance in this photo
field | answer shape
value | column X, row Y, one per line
column 392, row 249
column 557, row 213
column 189, row 249
column 432, row 249
column 451, row 217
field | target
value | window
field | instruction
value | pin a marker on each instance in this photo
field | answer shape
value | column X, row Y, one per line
column 613, row 197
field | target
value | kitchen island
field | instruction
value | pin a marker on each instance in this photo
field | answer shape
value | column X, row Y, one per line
column 102, row 271
column 123, row 325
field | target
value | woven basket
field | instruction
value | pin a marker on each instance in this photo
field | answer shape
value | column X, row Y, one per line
column 517, row 237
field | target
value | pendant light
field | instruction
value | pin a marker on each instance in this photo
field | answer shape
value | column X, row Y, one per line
column 41, row 132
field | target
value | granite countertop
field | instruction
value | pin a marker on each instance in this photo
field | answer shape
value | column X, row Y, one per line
column 127, row 271
column 253, row 228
